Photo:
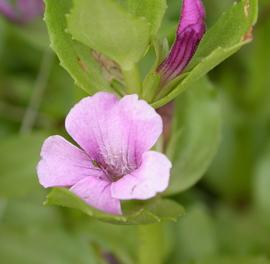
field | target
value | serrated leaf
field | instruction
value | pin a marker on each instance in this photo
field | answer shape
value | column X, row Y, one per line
column 152, row 10
column 105, row 26
column 149, row 212
column 74, row 57
column 227, row 36
column 196, row 135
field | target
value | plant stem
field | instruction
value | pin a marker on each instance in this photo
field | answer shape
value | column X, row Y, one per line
column 150, row 87
column 38, row 92
column 133, row 80
column 151, row 248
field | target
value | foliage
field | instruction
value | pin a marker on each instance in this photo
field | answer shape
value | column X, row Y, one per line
column 217, row 207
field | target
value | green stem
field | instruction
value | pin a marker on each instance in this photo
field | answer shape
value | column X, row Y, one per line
column 38, row 92
column 151, row 244
column 150, row 87
column 133, row 80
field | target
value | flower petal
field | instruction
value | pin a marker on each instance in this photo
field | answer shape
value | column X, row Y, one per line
column 97, row 193
column 151, row 178
column 114, row 132
column 62, row 164
column 193, row 15
column 86, row 122
column 141, row 125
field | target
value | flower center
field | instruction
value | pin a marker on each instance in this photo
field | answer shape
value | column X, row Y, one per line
column 114, row 172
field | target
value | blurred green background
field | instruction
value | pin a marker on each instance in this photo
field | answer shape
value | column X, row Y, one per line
column 228, row 211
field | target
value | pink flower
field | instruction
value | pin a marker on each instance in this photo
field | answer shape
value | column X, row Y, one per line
column 114, row 161
column 188, row 36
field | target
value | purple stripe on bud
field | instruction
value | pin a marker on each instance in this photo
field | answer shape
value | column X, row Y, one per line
column 21, row 11
column 189, row 33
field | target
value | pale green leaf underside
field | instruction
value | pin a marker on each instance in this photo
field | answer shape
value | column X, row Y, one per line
column 154, row 211
column 197, row 120
column 105, row 26
column 226, row 37
column 74, row 57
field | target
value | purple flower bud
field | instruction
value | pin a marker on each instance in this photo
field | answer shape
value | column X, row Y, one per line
column 21, row 11
column 189, row 33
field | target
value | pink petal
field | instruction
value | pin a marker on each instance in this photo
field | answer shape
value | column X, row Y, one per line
column 62, row 164
column 142, row 125
column 149, row 179
column 86, row 122
column 97, row 193
column 114, row 132
column 192, row 15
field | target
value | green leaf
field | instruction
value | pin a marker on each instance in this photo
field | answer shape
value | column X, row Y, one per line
column 110, row 238
column 196, row 135
column 152, row 246
column 33, row 234
column 196, row 236
column 153, row 211
column 231, row 29
column 19, row 158
column 105, row 26
column 258, row 63
column 26, row 212
column 37, row 246
column 245, row 113
column 152, row 10
column 240, row 233
column 227, row 36
column 232, row 169
column 74, row 57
